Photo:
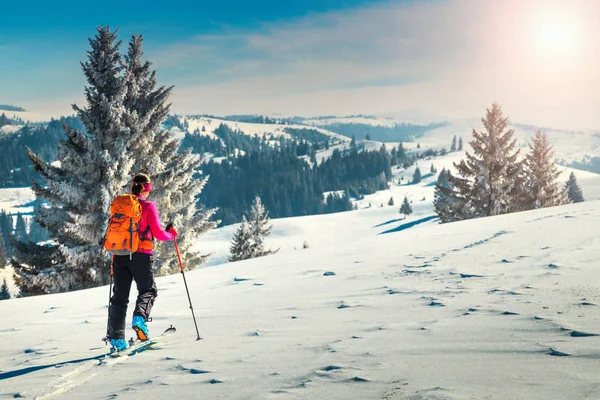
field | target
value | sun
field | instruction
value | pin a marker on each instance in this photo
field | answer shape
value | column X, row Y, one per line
column 556, row 35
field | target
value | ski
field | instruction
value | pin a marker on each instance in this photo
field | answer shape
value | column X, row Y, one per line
column 138, row 346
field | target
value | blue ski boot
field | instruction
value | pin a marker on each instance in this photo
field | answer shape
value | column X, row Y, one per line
column 119, row 344
column 139, row 326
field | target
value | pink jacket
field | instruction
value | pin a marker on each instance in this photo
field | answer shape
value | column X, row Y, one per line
column 150, row 217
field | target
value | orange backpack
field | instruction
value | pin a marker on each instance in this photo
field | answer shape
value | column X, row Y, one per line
column 123, row 236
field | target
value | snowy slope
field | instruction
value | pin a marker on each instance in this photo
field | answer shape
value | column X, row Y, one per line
column 353, row 120
column 16, row 200
column 277, row 130
column 8, row 129
column 495, row 308
column 371, row 218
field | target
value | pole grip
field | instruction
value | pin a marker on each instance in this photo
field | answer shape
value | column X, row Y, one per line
column 178, row 255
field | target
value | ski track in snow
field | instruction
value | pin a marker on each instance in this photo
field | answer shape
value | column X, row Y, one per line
column 495, row 308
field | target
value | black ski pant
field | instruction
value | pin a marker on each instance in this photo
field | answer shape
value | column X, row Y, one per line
column 139, row 268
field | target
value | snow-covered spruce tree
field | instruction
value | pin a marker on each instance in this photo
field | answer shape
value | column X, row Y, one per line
column 3, row 252
column 490, row 181
column 4, row 293
column 95, row 166
column 6, row 230
column 460, row 144
column 405, row 208
column 21, row 229
column 240, row 244
column 391, row 201
column 416, row 176
column 174, row 174
column 258, row 225
column 573, row 190
column 541, row 175
column 453, row 145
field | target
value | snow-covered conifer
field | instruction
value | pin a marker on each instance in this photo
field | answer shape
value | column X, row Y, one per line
column 122, row 136
column 490, row 181
column 4, row 293
column 541, row 176
column 94, row 167
column 405, row 209
column 391, row 201
column 258, row 225
column 453, row 145
column 574, row 193
column 416, row 176
column 3, row 253
column 240, row 244
column 460, row 144
column 21, row 229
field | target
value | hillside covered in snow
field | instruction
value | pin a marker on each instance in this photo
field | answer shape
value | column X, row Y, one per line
column 501, row 307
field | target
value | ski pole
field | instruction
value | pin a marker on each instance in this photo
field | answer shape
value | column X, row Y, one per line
column 186, row 287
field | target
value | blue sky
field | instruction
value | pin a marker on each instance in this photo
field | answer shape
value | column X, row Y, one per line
column 433, row 58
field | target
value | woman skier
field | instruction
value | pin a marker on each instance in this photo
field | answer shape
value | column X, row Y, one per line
column 138, row 267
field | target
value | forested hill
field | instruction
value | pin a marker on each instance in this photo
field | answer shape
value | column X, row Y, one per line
column 15, row 167
column 8, row 107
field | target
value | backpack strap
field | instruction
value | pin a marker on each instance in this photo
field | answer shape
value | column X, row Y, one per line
column 144, row 234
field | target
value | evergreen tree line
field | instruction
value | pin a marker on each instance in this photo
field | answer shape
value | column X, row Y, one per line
column 591, row 164
column 493, row 180
column 4, row 120
column 289, row 186
column 15, row 167
column 253, row 119
column 123, row 115
column 8, row 107
column 15, row 227
column 229, row 141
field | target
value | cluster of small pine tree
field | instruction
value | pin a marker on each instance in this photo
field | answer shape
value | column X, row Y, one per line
column 493, row 180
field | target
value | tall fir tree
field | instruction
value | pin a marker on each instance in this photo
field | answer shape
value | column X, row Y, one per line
column 574, row 193
column 174, row 174
column 123, row 112
column 3, row 253
column 541, row 175
column 405, row 208
column 416, row 176
column 6, row 230
column 94, row 167
column 453, row 145
column 4, row 292
column 460, row 144
column 21, row 229
column 447, row 204
column 241, row 243
column 490, row 181
column 258, row 225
